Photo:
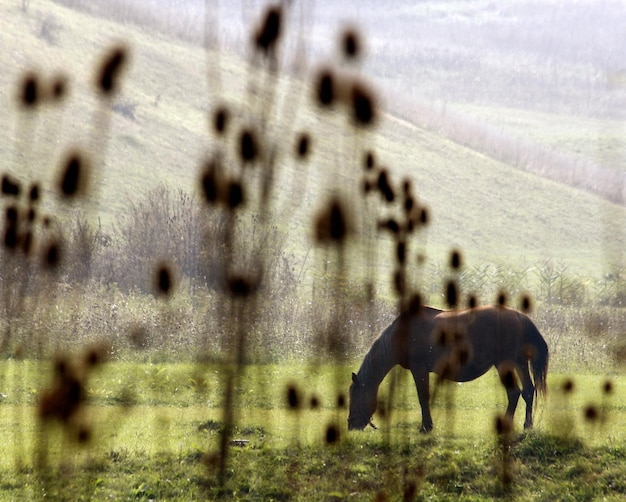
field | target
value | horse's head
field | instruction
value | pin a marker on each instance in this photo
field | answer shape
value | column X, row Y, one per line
column 362, row 404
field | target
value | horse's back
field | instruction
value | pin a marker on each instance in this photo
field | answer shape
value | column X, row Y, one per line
column 490, row 334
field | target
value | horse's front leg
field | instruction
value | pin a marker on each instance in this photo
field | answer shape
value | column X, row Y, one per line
column 423, row 394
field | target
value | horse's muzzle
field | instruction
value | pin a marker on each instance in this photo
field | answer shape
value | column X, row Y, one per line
column 354, row 426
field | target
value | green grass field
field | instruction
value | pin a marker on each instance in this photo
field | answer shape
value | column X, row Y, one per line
column 164, row 443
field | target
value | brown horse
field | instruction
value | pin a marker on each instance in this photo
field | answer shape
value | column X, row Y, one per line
column 457, row 345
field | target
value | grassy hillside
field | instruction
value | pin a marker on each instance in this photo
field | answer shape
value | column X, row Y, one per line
column 161, row 374
column 484, row 207
column 599, row 140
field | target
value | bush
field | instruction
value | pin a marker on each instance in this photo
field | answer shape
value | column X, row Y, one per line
column 611, row 290
column 49, row 30
column 558, row 287
column 163, row 227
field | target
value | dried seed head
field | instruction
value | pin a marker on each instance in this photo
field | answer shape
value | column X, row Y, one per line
column 96, row 355
column 384, row 186
column 269, row 32
column 210, row 182
column 83, row 434
column 452, row 294
column 341, row 401
column 71, row 176
column 415, row 303
column 314, row 402
column 331, row 225
column 350, row 44
column 332, row 434
column 526, row 304
column 502, row 299
column 455, row 260
column 33, row 194
column 220, row 119
column 503, row 425
column 27, row 242
column 407, row 188
column 248, row 147
column 472, row 302
column 568, row 386
column 390, row 224
column 52, row 255
column 241, row 287
column 401, row 252
column 338, row 228
column 367, row 187
column 74, row 175
column 63, row 400
column 409, row 204
column 424, row 216
column 508, row 378
column 61, row 366
column 163, row 280
column 235, row 197
column 293, row 398
column 369, row 160
column 11, row 214
column 58, row 88
column 325, row 88
column 591, row 413
column 107, row 77
column 11, row 234
column 10, row 187
column 399, row 283
column 30, row 92
column 363, row 107
column 303, row 146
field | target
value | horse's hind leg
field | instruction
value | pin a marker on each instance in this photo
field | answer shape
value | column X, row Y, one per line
column 528, row 393
column 509, row 380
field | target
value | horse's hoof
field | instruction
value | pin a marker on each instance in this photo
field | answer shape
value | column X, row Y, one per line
column 426, row 430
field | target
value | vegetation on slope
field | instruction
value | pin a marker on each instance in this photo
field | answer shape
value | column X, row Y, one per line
column 215, row 213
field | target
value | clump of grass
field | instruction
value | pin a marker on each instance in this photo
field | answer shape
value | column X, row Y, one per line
column 547, row 448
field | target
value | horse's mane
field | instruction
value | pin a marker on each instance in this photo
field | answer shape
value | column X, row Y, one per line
column 376, row 363
column 384, row 352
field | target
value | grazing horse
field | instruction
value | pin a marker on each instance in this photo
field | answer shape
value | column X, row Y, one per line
column 457, row 345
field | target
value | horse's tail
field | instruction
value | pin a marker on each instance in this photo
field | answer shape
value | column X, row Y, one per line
column 537, row 350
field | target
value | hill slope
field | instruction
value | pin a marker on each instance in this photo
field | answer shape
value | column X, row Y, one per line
column 484, row 207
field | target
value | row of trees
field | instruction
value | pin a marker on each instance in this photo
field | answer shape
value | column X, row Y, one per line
column 104, row 286
column 551, row 283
